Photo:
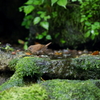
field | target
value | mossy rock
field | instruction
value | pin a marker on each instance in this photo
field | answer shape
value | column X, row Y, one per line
column 72, row 89
column 83, row 67
column 86, row 67
column 25, row 66
column 55, row 90
column 34, row 92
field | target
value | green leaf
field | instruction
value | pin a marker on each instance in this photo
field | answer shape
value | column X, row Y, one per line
column 92, row 37
column 83, row 16
column 82, row 19
column 28, row 9
column 87, row 23
column 26, row 21
column 26, row 46
column 62, row 41
column 97, row 24
column 54, row 14
column 44, row 33
column 62, row 3
column 89, row 16
column 87, row 34
column 29, row 2
column 74, row 0
column 48, row 37
column 38, row 2
column 96, row 33
column 21, row 9
column 45, row 25
column 93, row 27
column 43, row 14
column 40, row 12
column 56, row 35
column 80, row 1
column 53, row 1
column 39, row 36
column 46, row 17
column 36, row 20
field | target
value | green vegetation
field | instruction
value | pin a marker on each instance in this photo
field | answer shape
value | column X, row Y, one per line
column 7, row 48
column 55, row 90
column 61, row 18
column 34, row 92
column 72, row 89
column 25, row 66
column 90, row 18
column 86, row 67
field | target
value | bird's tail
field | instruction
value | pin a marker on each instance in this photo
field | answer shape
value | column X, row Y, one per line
column 48, row 44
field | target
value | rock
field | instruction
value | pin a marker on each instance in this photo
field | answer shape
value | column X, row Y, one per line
column 87, row 66
column 84, row 67
column 6, row 57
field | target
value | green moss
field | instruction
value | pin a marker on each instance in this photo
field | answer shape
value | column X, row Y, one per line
column 55, row 90
column 34, row 92
column 72, row 89
column 84, row 67
column 87, row 62
column 87, row 67
column 25, row 66
column 13, row 63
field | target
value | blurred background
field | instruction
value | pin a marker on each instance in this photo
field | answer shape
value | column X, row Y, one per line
column 67, row 24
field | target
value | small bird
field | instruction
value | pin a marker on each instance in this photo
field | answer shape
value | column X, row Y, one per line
column 37, row 47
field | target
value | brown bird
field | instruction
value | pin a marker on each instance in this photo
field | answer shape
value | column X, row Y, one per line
column 34, row 48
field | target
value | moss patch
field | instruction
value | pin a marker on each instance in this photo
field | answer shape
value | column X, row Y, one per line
column 86, row 67
column 34, row 92
column 26, row 66
column 55, row 90
column 72, row 89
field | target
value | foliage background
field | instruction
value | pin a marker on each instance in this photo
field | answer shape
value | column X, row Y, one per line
column 66, row 22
